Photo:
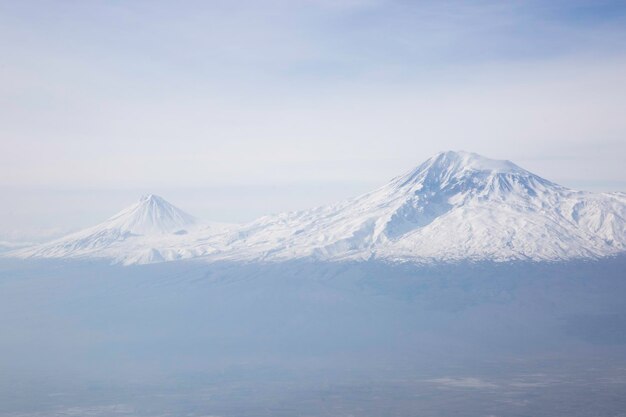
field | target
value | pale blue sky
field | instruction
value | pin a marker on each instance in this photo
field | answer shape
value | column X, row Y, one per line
column 109, row 99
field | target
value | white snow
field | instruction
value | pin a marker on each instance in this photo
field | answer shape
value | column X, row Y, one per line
column 151, row 230
column 151, row 215
column 455, row 206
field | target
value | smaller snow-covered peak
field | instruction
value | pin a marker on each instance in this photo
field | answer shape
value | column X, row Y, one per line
column 148, row 197
column 148, row 231
column 151, row 215
column 152, row 198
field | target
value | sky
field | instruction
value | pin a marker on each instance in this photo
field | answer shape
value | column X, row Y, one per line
column 235, row 109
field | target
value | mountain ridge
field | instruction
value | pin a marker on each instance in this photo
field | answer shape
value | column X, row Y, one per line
column 454, row 206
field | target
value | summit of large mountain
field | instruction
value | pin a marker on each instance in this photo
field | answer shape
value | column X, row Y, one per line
column 454, row 206
column 455, row 163
column 459, row 171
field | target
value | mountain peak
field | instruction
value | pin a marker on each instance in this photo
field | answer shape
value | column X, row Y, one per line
column 469, row 161
column 151, row 215
column 450, row 167
column 149, row 197
column 152, row 198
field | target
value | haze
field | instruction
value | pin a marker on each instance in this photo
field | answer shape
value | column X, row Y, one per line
column 232, row 111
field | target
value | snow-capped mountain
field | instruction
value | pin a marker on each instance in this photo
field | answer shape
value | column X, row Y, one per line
column 151, row 215
column 455, row 206
column 141, row 233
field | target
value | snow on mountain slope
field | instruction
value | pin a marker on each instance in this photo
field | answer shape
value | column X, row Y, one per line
column 152, row 215
column 149, row 231
column 455, row 206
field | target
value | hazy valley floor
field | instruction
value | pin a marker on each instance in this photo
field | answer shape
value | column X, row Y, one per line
column 311, row 339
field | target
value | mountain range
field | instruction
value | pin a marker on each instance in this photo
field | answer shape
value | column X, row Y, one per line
column 456, row 206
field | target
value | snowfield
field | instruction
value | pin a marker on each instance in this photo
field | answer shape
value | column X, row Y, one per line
column 455, row 206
